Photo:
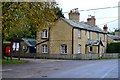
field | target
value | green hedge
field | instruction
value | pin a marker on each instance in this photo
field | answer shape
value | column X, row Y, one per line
column 6, row 43
column 113, row 48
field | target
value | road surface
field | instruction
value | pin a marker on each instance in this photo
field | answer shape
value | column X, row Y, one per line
column 43, row 68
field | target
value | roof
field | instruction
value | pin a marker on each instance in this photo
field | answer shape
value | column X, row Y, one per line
column 29, row 41
column 84, row 26
column 117, row 30
column 114, row 37
column 94, row 42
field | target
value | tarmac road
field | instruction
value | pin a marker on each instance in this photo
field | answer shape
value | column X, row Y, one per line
column 44, row 68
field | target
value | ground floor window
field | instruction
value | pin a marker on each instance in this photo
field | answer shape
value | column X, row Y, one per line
column 44, row 48
column 91, row 48
column 103, row 50
column 15, row 46
column 63, row 48
column 79, row 48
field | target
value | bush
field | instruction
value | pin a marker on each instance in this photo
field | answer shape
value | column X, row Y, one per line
column 6, row 43
column 113, row 48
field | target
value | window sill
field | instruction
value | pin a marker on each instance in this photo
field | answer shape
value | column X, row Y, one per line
column 44, row 52
column 63, row 53
column 79, row 37
column 45, row 38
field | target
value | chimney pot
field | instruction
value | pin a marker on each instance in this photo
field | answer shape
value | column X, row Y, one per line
column 105, row 28
column 74, row 14
column 91, row 20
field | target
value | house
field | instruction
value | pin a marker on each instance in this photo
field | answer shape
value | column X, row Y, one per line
column 70, row 36
column 117, row 32
column 113, row 38
column 25, row 47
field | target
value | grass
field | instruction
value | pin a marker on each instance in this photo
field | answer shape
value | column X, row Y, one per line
column 14, row 61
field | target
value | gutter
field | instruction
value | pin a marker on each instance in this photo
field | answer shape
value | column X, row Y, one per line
column 42, row 42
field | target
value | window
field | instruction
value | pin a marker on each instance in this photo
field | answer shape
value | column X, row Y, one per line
column 103, row 50
column 97, row 36
column 90, row 48
column 44, row 33
column 79, row 33
column 88, row 34
column 15, row 46
column 103, row 37
column 44, row 48
column 79, row 48
column 63, row 48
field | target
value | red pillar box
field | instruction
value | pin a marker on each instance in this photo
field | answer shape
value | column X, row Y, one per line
column 7, row 50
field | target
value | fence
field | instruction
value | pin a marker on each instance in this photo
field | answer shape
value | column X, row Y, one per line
column 79, row 56
column 68, row 56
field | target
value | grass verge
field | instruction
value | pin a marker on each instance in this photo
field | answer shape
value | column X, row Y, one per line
column 14, row 61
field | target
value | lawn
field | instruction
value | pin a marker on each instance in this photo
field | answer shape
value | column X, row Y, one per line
column 14, row 61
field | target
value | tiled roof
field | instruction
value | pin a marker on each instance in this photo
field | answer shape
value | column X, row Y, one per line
column 94, row 42
column 29, row 41
column 83, row 26
column 114, row 37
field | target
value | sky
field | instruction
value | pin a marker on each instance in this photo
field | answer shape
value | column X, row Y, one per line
column 103, row 16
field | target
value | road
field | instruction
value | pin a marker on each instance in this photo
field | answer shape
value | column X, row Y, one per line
column 41, row 68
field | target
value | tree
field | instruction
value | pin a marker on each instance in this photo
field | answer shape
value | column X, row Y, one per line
column 59, row 13
column 19, row 18
column 28, row 29
column 22, row 16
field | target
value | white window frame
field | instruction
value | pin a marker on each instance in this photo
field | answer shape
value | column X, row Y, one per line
column 103, row 37
column 44, row 48
column 103, row 49
column 16, row 46
column 88, row 34
column 79, row 48
column 79, row 33
column 44, row 33
column 63, row 48
column 97, row 36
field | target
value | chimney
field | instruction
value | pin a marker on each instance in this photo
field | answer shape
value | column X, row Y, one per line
column 74, row 14
column 105, row 28
column 91, row 20
column 117, row 32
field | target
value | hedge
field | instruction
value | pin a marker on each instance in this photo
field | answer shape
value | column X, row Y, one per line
column 6, row 43
column 113, row 48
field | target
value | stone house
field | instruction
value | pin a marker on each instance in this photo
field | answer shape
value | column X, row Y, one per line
column 70, row 36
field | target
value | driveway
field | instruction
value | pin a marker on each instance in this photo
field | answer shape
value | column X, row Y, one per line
column 44, row 68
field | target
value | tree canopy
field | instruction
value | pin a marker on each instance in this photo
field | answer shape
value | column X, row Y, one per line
column 22, row 19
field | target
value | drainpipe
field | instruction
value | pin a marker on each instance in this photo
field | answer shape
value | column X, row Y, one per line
column 72, row 40
column 49, row 40
column 98, row 51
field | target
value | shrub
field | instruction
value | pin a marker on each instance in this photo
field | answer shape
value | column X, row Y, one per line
column 113, row 48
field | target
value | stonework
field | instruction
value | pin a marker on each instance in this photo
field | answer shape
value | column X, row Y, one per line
column 66, row 34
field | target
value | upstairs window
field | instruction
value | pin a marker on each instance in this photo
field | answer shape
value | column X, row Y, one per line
column 79, row 33
column 97, row 36
column 103, row 37
column 44, row 48
column 44, row 33
column 63, row 48
column 88, row 34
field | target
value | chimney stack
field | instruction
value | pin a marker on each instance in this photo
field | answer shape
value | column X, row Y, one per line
column 105, row 28
column 91, row 20
column 74, row 14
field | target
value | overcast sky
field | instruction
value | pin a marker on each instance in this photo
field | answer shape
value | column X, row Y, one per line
column 103, row 16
